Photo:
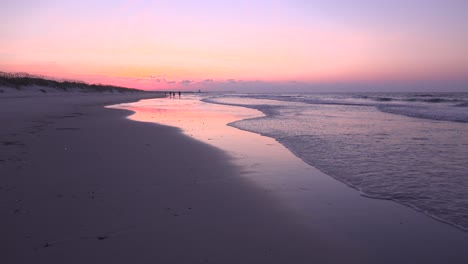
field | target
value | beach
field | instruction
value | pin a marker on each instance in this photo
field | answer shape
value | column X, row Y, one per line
column 81, row 183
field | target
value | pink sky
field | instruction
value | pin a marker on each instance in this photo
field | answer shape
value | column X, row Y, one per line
column 156, row 45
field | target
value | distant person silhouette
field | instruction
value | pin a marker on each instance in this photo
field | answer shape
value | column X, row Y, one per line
column 179, row 94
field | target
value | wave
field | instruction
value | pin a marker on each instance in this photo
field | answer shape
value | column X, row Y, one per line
column 437, row 106
column 453, row 114
column 383, row 99
column 464, row 104
column 431, row 100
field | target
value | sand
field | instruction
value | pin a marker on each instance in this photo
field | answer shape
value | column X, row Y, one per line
column 82, row 184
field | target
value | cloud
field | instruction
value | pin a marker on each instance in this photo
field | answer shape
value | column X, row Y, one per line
column 186, row 82
column 171, row 82
column 208, row 80
column 157, row 77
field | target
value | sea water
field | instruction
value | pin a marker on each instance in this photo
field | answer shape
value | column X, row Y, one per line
column 408, row 147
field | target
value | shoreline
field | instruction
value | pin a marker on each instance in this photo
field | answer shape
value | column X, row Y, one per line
column 311, row 196
column 330, row 173
column 85, row 184
column 81, row 183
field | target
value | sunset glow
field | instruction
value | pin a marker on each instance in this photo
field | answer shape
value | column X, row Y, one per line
column 212, row 44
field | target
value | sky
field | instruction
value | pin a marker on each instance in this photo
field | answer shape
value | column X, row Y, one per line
column 256, row 45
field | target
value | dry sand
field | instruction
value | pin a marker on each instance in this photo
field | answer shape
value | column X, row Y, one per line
column 81, row 184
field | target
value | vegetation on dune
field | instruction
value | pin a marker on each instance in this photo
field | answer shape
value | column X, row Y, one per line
column 19, row 80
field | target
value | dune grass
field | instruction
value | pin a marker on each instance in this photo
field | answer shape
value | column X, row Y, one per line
column 21, row 80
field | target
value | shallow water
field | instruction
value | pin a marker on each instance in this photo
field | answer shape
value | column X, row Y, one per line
column 419, row 162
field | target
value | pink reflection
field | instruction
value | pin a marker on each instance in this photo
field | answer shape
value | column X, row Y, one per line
column 262, row 161
column 207, row 122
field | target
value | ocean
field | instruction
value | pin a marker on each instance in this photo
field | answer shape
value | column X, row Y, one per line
column 411, row 148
